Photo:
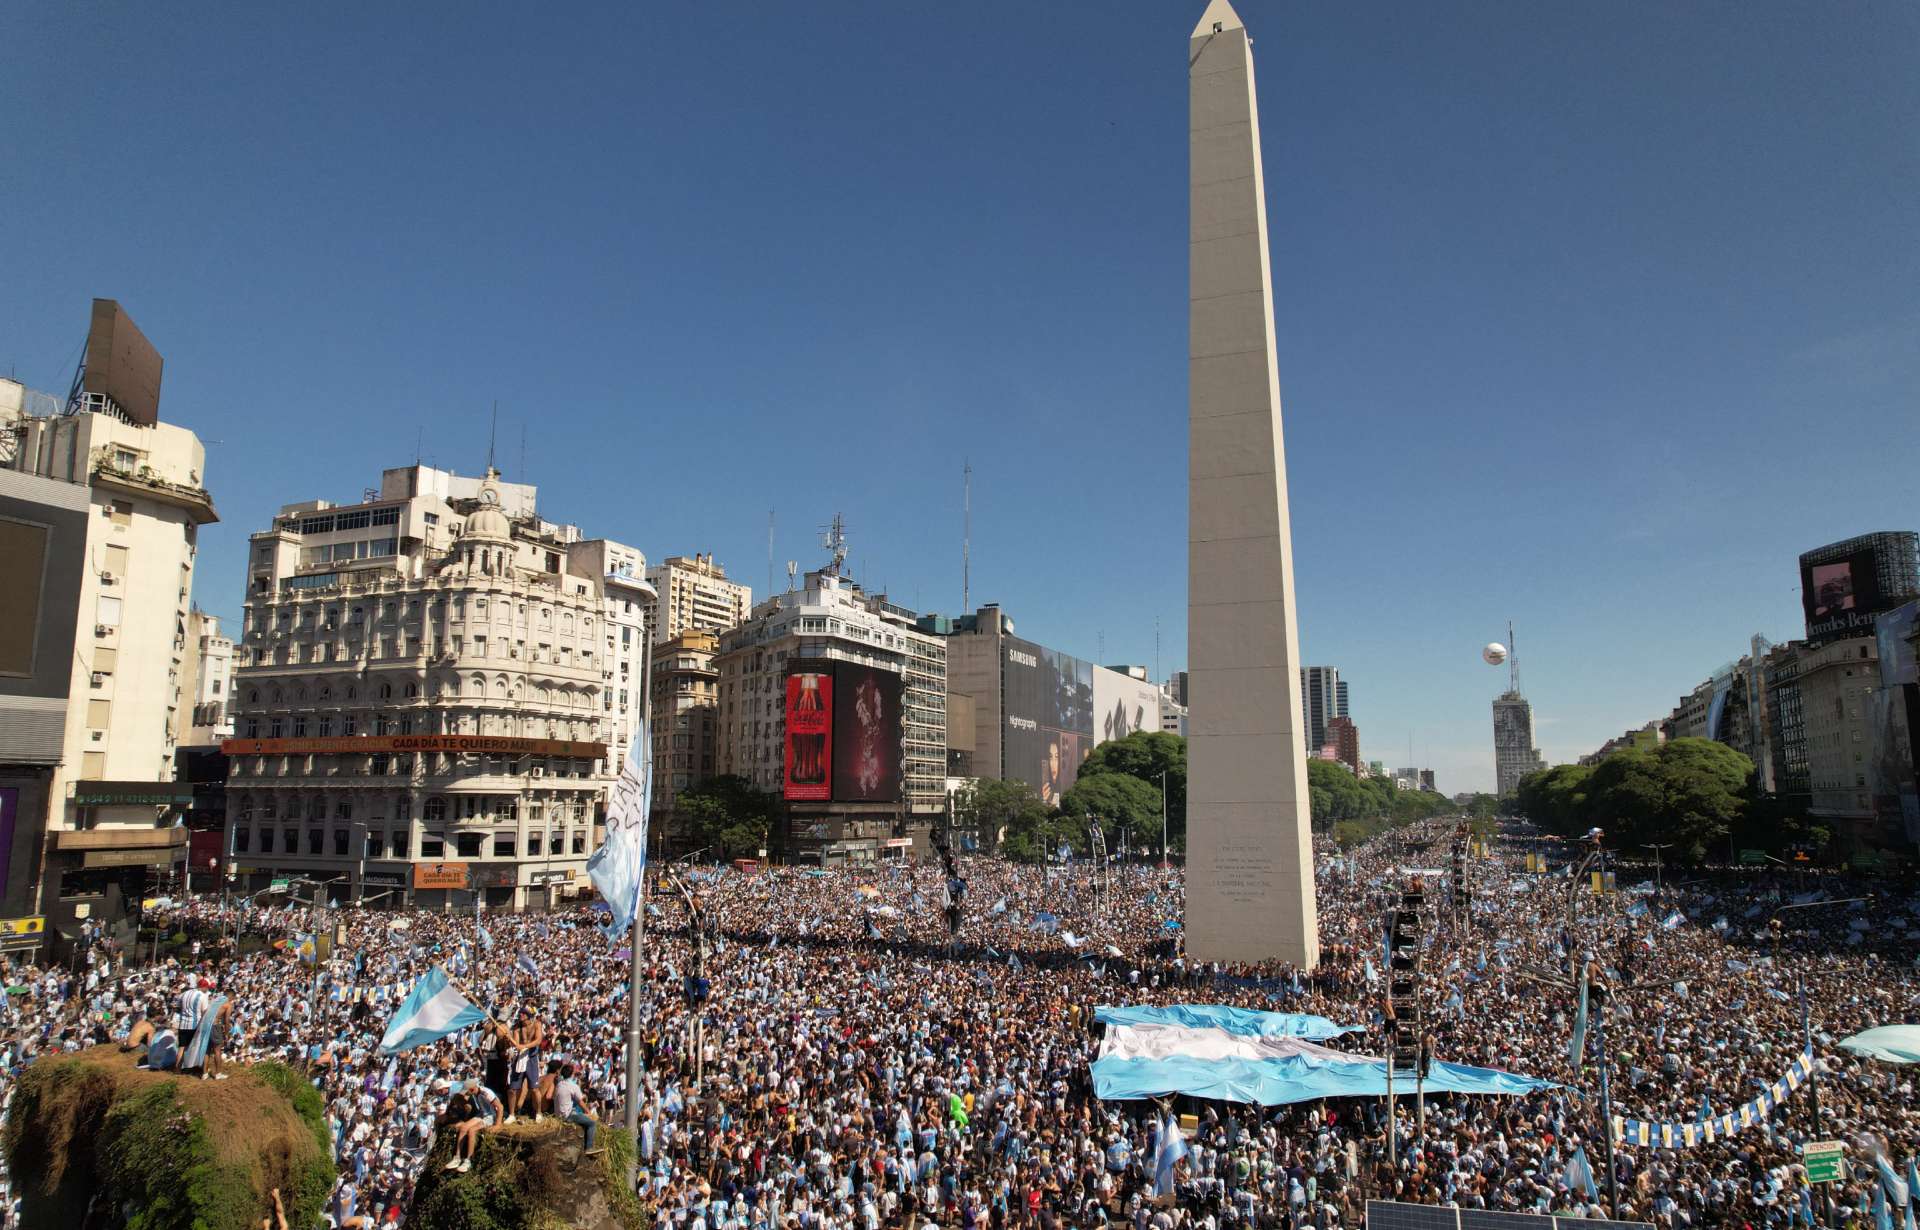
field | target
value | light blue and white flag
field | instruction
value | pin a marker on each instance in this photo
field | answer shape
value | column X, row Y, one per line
column 1913, row 1192
column 1246, row 1056
column 525, row 964
column 1673, row 921
column 1577, row 1045
column 431, row 1011
column 1171, row 1149
column 618, row 868
column 1580, row 1174
column 486, row 937
column 1890, row 1180
column 195, row 1056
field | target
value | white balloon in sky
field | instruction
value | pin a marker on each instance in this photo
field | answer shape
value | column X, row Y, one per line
column 1495, row 653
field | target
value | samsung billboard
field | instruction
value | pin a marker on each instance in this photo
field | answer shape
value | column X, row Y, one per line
column 1123, row 705
column 1047, row 729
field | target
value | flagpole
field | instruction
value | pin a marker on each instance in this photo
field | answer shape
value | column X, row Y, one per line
column 651, row 616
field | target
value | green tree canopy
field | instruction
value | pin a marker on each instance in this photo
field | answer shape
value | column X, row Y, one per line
column 729, row 814
column 1007, row 815
column 1694, row 793
column 1122, row 802
column 1145, row 755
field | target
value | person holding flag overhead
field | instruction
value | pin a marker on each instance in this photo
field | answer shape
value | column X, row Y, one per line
column 432, row 1010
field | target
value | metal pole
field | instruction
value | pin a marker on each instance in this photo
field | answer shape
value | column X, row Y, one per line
column 1393, row 1158
column 1606, row 1120
column 648, row 618
column 1164, row 859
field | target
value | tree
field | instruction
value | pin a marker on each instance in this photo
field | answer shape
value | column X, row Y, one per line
column 1145, row 755
column 729, row 814
column 1122, row 802
column 1007, row 815
column 1690, row 792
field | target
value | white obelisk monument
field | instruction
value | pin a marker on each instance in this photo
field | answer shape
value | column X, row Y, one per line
column 1249, row 851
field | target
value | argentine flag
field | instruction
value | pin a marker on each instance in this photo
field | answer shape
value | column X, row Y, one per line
column 618, row 867
column 1172, row 1148
column 431, row 1011
column 1242, row 1055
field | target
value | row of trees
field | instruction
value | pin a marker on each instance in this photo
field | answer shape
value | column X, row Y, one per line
column 1698, row 795
column 1119, row 784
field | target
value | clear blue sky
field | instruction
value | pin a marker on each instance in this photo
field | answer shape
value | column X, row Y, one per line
column 1589, row 316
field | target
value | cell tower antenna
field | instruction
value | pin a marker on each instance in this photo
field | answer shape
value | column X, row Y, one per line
column 834, row 539
column 966, row 536
column 1513, row 662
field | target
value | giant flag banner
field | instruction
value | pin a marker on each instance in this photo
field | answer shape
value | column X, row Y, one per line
column 431, row 1011
column 619, row 866
column 1237, row 1055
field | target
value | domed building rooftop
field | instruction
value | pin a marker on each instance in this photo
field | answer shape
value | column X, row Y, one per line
column 488, row 523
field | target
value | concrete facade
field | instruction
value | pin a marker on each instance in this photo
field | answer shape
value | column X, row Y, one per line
column 1250, row 861
column 695, row 595
column 421, row 681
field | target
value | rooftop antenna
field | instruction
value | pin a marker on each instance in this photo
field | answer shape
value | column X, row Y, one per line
column 1513, row 662
column 966, row 536
column 834, row 539
column 793, row 567
column 770, row 554
column 522, row 475
column 492, row 431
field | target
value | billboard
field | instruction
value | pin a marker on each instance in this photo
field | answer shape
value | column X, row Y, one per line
column 868, row 730
column 1048, row 721
column 122, row 363
column 1894, row 773
column 1840, row 596
column 1122, row 705
column 439, row 875
column 809, row 742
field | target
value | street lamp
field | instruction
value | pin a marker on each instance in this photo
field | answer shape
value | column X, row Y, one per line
column 1656, row 848
column 1163, row 818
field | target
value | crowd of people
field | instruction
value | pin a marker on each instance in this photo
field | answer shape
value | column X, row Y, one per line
column 822, row 1049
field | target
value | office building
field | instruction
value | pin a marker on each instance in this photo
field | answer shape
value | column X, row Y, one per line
column 686, row 707
column 207, row 721
column 1514, row 755
column 432, row 685
column 1038, row 712
column 112, row 797
column 1322, row 698
column 1345, row 737
column 809, row 632
column 1837, row 681
column 695, row 595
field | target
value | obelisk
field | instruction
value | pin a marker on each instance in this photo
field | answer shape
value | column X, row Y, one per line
column 1249, row 850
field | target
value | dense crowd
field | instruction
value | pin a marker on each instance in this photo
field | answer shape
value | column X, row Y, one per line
column 857, row 1065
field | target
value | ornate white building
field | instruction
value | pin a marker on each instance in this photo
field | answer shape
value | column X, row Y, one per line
column 435, row 690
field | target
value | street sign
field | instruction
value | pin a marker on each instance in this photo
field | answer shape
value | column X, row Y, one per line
column 1753, row 857
column 23, row 926
column 278, row 886
column 1826, row 1161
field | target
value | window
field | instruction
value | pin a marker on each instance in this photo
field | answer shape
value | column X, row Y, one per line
column 504, row 845
column 468, row 845
column 430, row 847
column 266, row 840
column 376, row 845
column 315, row 840
column 579, row 843
column 436, row 811
column 341, row 838
column 242, row 839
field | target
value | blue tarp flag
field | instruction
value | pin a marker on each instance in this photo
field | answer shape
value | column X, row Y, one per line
column 1239, row 1055
column 431, row 1011
column 618, row 868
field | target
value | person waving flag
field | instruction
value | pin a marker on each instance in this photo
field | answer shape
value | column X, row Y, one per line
column 431, row 1011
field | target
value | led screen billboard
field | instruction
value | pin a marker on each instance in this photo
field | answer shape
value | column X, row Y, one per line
column 1840, row 596
column 809, row 744
column 1048, row 723
column 868, row 730
column 1122, row 705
